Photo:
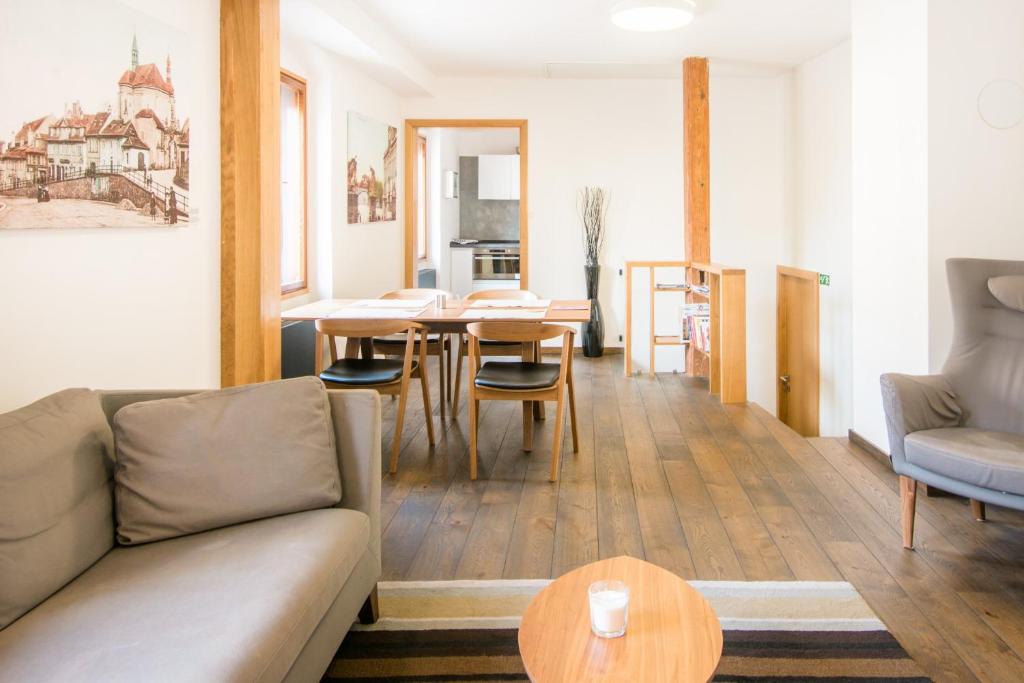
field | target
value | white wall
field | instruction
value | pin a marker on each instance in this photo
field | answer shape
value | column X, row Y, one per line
column 975, row 172
column 626, row 136
column 751, row 207
column 351, row 260
column 124, row 308
column 616, row 134
column 823, row 238
column 890, row 200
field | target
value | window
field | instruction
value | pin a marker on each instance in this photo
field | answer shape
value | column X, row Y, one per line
column 421, row 198
column 293, row 184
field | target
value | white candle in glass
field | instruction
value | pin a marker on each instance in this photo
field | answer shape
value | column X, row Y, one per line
column 609, row 608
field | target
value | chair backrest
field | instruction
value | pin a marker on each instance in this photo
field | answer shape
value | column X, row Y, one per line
column 986, row 360
column 518, row 331
column 416, row 293
column 355, row 328
column 522, row 294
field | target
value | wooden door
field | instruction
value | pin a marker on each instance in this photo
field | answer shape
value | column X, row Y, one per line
column 797, row 365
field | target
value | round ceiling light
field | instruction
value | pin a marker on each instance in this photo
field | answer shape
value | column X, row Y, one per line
column 653, row 15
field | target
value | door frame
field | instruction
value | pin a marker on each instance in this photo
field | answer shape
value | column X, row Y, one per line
column 813, row 365
column 412, row 131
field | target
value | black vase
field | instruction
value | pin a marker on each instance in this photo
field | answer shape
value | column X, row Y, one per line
column 593, row 331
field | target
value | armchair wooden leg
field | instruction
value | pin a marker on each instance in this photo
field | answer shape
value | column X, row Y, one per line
column 428, row 412
column 556, row 448
column 440, row 377
column 370, row 611
column 572, row 411
column 458, row 378
column 446, row 341
column 396, row 443
column 528, row 425
column 473, row 407
column 978, row 510
column 908, row 500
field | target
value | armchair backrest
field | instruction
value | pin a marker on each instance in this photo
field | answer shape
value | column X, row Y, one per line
column 986, row 361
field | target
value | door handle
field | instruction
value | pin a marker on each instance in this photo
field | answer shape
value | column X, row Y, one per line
column 784, row 380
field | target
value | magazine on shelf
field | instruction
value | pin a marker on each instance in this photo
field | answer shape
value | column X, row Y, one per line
column 696, row 323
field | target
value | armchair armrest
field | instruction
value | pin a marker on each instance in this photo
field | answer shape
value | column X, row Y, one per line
column 914, row 403
column 356, row 418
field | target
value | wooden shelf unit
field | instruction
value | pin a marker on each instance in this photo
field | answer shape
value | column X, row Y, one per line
column 725, row 365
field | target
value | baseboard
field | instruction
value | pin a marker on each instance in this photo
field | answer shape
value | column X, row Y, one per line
column 859, row 441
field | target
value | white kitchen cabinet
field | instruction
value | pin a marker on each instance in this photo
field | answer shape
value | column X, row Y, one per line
column 483, row 285
column 498, row 176
column 461, row 271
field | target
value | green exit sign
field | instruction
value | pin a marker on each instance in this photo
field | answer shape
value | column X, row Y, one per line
column 824, row 280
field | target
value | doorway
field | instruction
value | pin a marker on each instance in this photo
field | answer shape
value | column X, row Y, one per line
column 419, row 214
column 797, row 361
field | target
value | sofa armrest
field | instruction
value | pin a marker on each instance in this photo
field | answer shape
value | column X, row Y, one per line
column 356, row 417
column 914, row 403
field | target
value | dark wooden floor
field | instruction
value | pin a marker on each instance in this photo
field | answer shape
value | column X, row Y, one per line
column 665, row 472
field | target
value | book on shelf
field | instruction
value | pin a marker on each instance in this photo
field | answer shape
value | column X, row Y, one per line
column 700, row 289
column 696, row 322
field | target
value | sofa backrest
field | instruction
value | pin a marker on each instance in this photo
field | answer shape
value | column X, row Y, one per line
column 986, row 360
column 56, row 518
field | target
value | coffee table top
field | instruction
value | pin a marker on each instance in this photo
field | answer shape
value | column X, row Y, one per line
column 672, row 634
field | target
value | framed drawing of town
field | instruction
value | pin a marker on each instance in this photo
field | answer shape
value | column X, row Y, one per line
column 96, row 132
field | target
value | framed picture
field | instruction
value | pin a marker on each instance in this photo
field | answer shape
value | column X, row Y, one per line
column 94, row 130
column 372, row 170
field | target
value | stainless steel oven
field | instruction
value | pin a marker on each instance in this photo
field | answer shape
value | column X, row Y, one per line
column 496, row 263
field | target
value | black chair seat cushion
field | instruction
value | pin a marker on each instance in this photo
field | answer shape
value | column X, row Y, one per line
column 517, row 376
column 364, row 371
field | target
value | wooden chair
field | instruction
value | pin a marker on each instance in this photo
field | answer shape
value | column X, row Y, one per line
column 489, row 347
column 527, row 381
column 386, row 375
column 437, row 343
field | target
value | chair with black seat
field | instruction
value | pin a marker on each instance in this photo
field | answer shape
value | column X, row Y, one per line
column 526, row 381
column 387, row 375
column 488, row 347
column 437, row 343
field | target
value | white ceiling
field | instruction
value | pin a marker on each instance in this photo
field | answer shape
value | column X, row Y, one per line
column 524, row 37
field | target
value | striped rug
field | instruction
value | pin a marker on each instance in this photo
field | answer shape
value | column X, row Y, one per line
column 774, row 631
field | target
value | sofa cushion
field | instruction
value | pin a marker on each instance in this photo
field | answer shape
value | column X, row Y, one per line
column 233, row 604
column 216, row 458
column 55, row 496
column 1009, row 289
column 994, row 460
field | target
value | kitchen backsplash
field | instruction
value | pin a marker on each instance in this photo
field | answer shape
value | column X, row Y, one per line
column 487, row 219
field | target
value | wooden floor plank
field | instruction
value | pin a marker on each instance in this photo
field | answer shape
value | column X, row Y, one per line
column 618, row 522
column 576, row 542
column 662, row 534
column 667, row 473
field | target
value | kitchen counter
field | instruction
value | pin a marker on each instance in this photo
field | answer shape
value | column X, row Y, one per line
column 483, row 244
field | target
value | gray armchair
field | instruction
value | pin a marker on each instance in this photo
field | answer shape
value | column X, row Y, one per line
column 963, row 431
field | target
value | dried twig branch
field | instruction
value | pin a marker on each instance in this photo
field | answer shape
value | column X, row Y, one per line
column 593, row 208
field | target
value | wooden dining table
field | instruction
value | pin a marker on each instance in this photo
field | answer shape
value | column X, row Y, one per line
column 451, row 318
column 454, row 316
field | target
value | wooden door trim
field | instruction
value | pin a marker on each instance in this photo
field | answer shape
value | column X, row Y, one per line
column 250, row 190
column 412, row 128
column 814, row 363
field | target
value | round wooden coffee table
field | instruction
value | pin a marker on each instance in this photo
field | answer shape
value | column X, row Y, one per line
column 672, row 633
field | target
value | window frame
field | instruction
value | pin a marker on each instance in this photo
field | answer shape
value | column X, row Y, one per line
column 424, row 248
column 301, row 286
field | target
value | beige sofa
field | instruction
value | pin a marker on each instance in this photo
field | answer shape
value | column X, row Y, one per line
column 266, row 600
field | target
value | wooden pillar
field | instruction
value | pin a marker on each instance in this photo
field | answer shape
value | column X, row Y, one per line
column 250, row 140
column 697, row 160
column 696, row 181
